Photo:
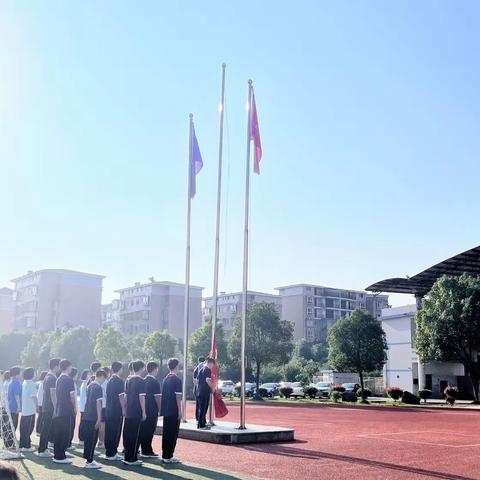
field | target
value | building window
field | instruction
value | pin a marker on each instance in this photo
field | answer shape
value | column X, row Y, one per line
column 309, row 299
column 309, row 311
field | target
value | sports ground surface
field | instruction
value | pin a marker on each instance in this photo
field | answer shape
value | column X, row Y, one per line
column 331, row 442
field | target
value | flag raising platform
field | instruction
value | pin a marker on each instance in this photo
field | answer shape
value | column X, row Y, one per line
column 227, row 433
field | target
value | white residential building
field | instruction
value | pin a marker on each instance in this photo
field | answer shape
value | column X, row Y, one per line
column 151, row 306
column 314, row 309
column 229, row 307
column 50, row 299
column 401, row 369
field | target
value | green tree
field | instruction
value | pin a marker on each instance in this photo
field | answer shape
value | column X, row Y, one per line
column 110, row 346
column 292, row 369
column 268, row 339
column 135, row 347
column 31, row 355
column 45, row 352
column 448, row 325
column 11, row 346
column 200, row 343
column 320, row 353
column 160, row 346
column 357, row 343
column 303, row 349
column 76, row 344
column 309, row 370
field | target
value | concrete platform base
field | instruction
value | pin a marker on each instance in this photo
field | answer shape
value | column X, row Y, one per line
column 227, row 433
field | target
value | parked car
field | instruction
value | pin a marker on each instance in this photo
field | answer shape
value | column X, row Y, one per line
column 351, row 387
column 249, row 389
column 323, row 389
column 226, row 386
column 297, row 388
column 271, row 388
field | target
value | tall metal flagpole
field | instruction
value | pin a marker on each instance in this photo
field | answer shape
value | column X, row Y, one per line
column 217, row 229
column 245, row 259
column 187, row 276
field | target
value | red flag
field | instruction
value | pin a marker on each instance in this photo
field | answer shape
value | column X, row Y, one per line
column 255, row 137
column 219, row 405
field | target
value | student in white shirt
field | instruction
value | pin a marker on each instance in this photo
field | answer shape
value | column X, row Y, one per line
column 28, row 410
column 38, row 426
column 83, row 400
column 101, row 433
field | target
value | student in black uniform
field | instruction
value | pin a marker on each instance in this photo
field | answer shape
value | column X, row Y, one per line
column 92, row 418
column 171, row 411
column 114, row 412
column 134, row 413
column 201, row 361
column 46, row 428
column 73, row 376
column 204, row 390
column 152, row 407
column 65, row 410
column 93, row 370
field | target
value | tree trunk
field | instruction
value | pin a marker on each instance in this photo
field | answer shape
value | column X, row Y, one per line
column 361, row 384
column 258, row 375
column 475, row 380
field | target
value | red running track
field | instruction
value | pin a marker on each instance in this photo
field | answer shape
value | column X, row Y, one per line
column 346, row 443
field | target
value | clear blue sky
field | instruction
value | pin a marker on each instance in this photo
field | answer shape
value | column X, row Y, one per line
column 369, row 114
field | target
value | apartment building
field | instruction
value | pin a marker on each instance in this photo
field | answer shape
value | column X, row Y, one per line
column 158, row 306
column 229, row 307
column 50, row 299
column 6, row 310
column 314, row 309
column 111, row 314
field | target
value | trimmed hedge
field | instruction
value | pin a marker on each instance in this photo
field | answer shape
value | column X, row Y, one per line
column 424, row 394
column 394, row 392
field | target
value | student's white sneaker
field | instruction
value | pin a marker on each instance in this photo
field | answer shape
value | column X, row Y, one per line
column 71, row 447
column 115, row 458
column 93, row 464
column 80, row 444
column 50, row 445
column 119, row 457
column 153, row 455
column 171, row 460
column 45, row 454
column 65, row 460
column 24, row 449
column 133, row 464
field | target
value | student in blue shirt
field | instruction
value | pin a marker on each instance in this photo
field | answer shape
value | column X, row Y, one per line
column 15, row 395
column 29, row 408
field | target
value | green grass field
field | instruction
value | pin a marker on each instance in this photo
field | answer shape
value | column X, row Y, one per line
column 34, row 468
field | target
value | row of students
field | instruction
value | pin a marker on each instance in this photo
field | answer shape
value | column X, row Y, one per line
column 108, row 406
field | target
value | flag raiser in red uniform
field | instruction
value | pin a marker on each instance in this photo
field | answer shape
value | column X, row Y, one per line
column 219, row 405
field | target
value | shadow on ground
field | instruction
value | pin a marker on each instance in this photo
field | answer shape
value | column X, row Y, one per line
column 288, row 451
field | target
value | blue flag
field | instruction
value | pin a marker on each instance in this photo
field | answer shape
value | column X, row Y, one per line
column 196, row 164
